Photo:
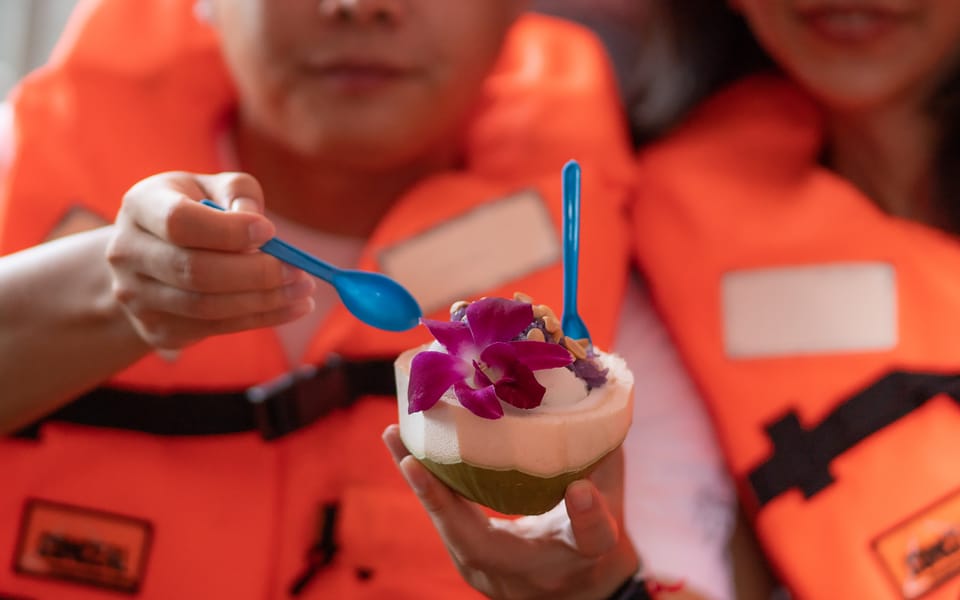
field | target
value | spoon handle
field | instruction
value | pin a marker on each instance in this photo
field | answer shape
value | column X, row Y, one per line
column 571, row 322
column 291, row 254
column 302, row 260
column 571, row 234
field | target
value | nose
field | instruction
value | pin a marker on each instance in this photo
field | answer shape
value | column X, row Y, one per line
column 385, row 12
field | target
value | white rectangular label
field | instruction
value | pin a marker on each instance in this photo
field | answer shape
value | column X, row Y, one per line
column 824, row 308
column 485, row 248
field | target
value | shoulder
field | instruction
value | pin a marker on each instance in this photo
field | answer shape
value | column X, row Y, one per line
column 764, row 117
column 541, row 48
column 551, row 74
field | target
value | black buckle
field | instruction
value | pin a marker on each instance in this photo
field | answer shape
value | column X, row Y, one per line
column 297, row 399
column 275, row 408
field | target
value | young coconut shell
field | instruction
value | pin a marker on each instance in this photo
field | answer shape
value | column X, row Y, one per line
column 522, row 462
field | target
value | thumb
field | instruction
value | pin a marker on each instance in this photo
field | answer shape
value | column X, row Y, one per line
column 594, row 527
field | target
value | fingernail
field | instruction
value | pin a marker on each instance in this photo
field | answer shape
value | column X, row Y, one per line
column 290, row 274
column 580, row 496
column 299, row 308
column 415, row 477
column 260, row 232
column 244, row 205
column 299, row 289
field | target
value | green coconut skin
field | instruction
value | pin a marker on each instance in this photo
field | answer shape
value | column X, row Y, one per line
column 507, row 491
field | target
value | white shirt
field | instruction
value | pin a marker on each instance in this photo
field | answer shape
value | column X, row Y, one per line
column 340, row 251
column 680, row 504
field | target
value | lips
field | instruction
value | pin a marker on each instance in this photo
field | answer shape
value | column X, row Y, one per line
column 888, row 6
column 351, row 66
column 852, row 23
column 355, row 74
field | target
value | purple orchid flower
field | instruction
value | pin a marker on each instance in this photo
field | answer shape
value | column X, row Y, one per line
column 484, row 362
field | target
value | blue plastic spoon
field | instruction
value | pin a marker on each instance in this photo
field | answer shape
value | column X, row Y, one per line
column 573, row 326
column 373, row 298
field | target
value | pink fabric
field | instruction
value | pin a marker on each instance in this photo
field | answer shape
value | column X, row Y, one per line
column 6, row 138
column 680, row 505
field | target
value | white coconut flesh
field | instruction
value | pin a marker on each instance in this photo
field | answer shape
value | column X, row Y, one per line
column 568, row 432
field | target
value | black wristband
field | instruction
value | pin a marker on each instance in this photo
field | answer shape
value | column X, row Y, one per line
column 634, row 588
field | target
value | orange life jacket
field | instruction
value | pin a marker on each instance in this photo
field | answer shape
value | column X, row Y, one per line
column 137, row 88
column 823, row 334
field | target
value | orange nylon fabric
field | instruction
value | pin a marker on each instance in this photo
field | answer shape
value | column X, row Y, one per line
column 233, row 515
column 739, row 188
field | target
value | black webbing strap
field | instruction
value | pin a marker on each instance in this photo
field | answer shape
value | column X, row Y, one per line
column 801, row 457
column 275, row 408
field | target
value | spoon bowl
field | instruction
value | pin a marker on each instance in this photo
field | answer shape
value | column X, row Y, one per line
column 371, row 297
column 377, row 300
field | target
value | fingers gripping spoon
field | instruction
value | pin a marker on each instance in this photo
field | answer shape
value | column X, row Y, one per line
column 371, row 297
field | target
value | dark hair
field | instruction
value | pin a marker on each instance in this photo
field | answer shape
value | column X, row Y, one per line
column 945, row 109
column 692, row 48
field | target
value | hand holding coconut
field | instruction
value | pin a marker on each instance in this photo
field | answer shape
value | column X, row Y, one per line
column 579, row 549
column 510, row 413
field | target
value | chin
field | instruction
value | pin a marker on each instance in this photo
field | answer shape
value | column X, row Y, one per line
column 354, row 151
column 845, row 91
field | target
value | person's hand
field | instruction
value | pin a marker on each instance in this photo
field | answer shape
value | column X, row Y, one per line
column 576, row 550
column 183, row 271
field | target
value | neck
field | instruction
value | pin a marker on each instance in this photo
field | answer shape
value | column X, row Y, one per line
column 888, row 154
column 325, row 194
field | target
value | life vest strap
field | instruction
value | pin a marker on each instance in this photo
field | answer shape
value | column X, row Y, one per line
column 276, row 408
column 801, row 457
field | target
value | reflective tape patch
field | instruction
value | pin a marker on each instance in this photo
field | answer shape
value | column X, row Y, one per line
column 810, row 309
column 481, row 250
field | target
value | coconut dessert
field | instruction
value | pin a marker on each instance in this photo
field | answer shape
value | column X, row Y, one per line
column 506, row 409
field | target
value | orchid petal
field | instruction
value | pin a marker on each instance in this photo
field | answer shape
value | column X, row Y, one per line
column 432, row 374
column 482, row 402
column 454, row 336
column 500, row 357
column 532, row 355
column 540, row 355
column 520, row 388
column 497, row 320
column 480, row 378
column 516, row 384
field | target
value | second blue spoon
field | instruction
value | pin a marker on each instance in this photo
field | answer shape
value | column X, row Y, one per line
column 571, row 323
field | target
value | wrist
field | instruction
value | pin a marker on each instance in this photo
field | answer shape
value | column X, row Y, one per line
column 634, row 588
column 642, row 588
column 617, row 569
